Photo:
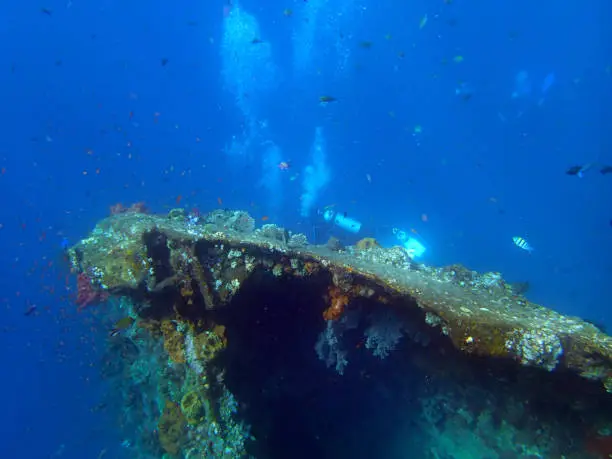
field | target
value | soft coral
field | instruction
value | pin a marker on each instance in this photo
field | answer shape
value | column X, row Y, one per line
column 87, row 294
column 339, row 300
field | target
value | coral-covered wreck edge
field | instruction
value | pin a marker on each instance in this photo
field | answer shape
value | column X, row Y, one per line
column 207, row 260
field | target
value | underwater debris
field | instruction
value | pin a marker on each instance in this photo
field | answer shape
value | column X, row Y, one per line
column 223, row 312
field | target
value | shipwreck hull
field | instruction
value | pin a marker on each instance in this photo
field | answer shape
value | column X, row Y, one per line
column 251, row 343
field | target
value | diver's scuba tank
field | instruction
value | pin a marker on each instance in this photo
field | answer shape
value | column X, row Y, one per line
column 341, row 220
column 413, row 246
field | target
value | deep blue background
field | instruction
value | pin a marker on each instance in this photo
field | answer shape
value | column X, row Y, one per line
column 89, row 117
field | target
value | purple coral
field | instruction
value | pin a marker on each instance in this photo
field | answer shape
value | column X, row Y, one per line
column 383, row 334
column 87, row 294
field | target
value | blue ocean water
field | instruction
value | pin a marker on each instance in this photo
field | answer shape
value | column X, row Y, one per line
column 440, row 119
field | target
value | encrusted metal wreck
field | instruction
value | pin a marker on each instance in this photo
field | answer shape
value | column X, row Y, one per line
column 222, row 310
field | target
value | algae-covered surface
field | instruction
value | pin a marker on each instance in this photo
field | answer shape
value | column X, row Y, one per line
column 250, row 342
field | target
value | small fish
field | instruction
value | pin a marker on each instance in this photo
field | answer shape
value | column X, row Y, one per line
column 423, row 22
column 522, row 244
column 164, row 61
column 365, row 44
column 579, row 170
column 606, row 170
column 327, row 99
column 265, row 218
column 288, row 12
column 284, row 165
column 120, row 325
column 31, row 310
column 256, row 41
column 46, row 11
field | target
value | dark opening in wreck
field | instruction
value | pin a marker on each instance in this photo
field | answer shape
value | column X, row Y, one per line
column 300, row 408
column 297, row 406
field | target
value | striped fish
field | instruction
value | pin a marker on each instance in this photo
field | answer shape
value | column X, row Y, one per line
column 522, row 244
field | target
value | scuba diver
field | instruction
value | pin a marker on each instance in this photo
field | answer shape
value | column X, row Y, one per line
column 334, row 220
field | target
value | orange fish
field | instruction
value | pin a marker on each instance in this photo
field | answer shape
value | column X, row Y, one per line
column 178, row 199
column 265, row 218
column 220, row 201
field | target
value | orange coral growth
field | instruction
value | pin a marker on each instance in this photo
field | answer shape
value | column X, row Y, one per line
column 209, row 343
column 339, row 300
column 367, row 243
column 219, row 330
column 171, row 428
column 311, row 267
column 382, row 299
column 174, row 342
column 187, row 291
